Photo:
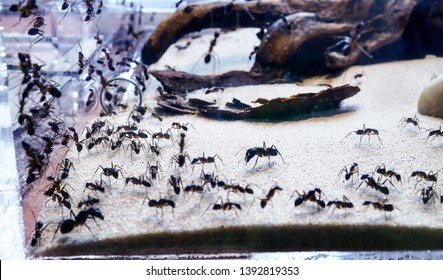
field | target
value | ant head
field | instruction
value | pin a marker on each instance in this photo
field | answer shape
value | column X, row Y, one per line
column 250, row 153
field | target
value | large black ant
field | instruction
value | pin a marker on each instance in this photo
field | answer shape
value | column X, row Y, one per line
column 90, row 201
column 370, row 181
column 351, row 42
column 226, row 206
column 214, row 89
column 262, row 152
column 208, row 178
column 381, row 169
column 383, row 206
column 204, row 160
column 65, row 166
column 25, row 10
column 193, row 188
column 37, row 22
column 180, row 159
column 65, row 7
column 353, row 169
column 38, row 231
column 68, row 225
column 160, row 135
column 341, row 204
column 427, row 194
column 161, row 203
column 137, row 146
column 270, row 194
column 414, row 121
column 97, row 186
column 421, row 175
column 154, row 170
column 435, row 133
column 312, row 195
column 80, row 60
column 175, row 183
column 179, row 126
column 235, row 187
column 209, row 53
column 113, row 171
column 365, row 131
column 138, row 181
column 49, row 144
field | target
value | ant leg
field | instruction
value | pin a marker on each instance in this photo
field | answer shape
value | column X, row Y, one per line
column 255, row 163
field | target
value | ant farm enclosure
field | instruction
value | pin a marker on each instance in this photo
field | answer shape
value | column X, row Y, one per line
column 212, row 129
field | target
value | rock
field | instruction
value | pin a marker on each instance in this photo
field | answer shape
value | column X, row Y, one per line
column 431, row 99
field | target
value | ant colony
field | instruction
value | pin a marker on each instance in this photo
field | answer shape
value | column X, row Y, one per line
column 132, row 170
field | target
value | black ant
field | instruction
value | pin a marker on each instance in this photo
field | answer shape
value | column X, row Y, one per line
column 89, row 10
column 262, row 152
column 180, row 48
column 435, row 133
column 62, row 199
column 49, row 144
column 113, row 171
column 80, row 60
column 65, row 166
column 270, row 194
column 226, row 206
column 175, row 183
column 204, row 160
column 128, row 127
column 370, row 181
column 97, row 186
column 155, row 149
column 160, row 135
column 90, row 201
column 421, row 175
column 353, row 169
column 162, row 202
column 116, row 145
column 177, row 125
column 136, row 146
column 65, row 6
column 38, row 230
column 383, row 206
column 235, row 187
column 312, row 195
column 254, row 51
column 365, row 131
column 178, row 3
column 35, row 30
column 138, row 181
column 90, row 101
column 209, row 54
column 25, row 10
column 68, row 225
column 25, row 68
column 351, row 42
column 193, row 188
column 209, row 178
column 414, row 121
column 381, row 169
column 154, row 169
column 180, row 159
column 214, row 89
column 91, row 70
column 427, row 194
column 341, row 204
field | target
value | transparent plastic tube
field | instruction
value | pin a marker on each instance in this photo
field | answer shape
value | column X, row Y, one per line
column 11, row 221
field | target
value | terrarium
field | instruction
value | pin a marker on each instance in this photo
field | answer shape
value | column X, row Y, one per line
column 163, row 129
